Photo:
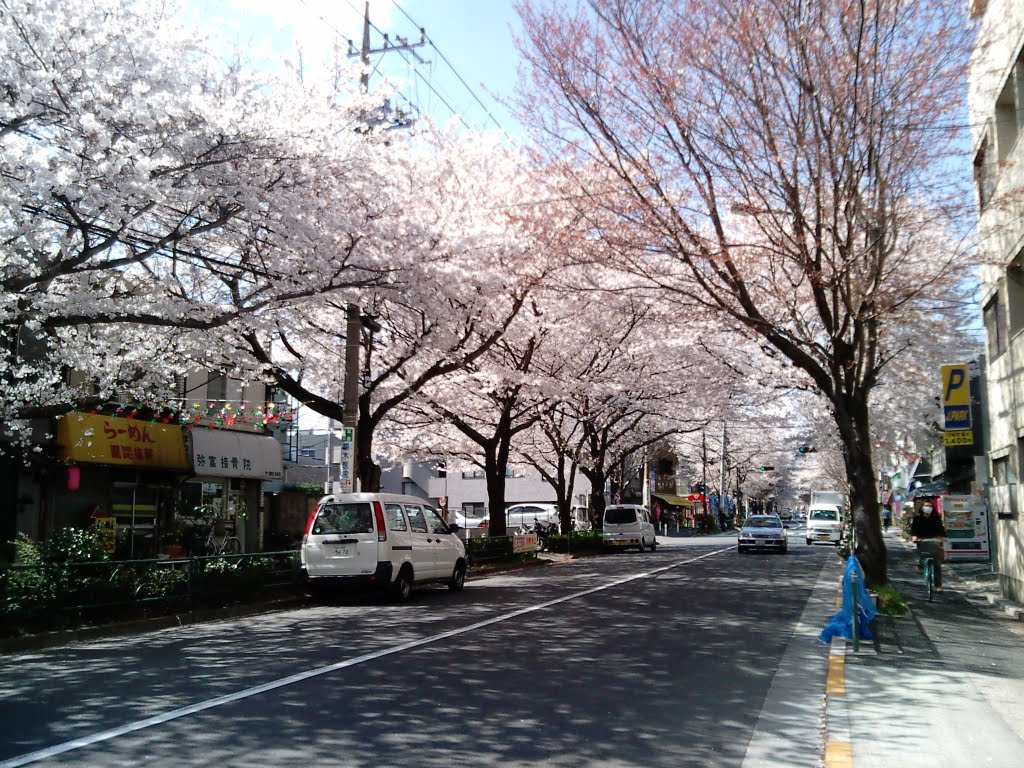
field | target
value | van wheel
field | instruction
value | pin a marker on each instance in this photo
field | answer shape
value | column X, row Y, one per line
column 402, row 588
column 458, row 579
column 808, row 542
column 643, row 545
column 654, row 545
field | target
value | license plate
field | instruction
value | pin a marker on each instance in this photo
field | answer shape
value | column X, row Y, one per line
column 343, row 550
column 824, row 536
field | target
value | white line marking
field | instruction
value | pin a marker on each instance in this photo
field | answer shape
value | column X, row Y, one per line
column 149, row 722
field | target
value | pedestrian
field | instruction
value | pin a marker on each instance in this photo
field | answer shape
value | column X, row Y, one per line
column 886, row 517
column 928, row 533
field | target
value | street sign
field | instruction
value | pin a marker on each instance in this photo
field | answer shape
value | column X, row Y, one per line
column 956, row 398
column 346, row 472
column 958, row 437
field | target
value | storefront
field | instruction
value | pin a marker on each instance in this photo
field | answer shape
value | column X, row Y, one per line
column 229, row 469
column 117, row 467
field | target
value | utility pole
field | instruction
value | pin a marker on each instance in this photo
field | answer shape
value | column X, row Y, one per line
column 365, row 51
column 350, row 411
column 721, row 484
column 704, row 470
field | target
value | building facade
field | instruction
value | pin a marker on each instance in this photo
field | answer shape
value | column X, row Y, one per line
column 996, row 105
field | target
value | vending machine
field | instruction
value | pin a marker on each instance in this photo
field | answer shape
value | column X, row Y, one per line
column 966, row 521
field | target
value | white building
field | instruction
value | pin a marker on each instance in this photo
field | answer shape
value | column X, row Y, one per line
column 996, row 102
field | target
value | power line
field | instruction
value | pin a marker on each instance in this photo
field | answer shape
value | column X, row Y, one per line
column 451, row 67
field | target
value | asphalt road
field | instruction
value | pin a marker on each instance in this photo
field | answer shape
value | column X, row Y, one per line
column 689, row 656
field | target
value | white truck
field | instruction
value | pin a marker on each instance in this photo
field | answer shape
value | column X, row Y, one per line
column 825, row 517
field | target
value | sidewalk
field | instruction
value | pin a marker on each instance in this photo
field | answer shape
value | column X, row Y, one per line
column 941, row 687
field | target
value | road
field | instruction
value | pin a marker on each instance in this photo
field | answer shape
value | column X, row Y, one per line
column 689, row 656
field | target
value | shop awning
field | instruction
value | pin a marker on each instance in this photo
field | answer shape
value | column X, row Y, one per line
column 224, row 453
column 675, row 501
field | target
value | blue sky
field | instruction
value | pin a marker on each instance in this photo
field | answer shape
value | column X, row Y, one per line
column 475, row 36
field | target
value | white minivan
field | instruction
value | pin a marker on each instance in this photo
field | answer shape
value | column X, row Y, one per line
column 628, row 525
column 383, row 540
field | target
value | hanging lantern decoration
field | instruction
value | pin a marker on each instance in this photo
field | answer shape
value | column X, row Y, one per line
column 74, row 478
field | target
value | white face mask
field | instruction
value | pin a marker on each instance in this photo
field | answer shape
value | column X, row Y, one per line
column 926, row 510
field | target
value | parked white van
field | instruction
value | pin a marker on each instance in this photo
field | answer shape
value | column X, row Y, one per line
column 383, row 540
column 628, row 525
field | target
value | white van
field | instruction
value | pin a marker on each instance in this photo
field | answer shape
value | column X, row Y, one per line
column 383, row 540
column 628, row 525
column 824, row 523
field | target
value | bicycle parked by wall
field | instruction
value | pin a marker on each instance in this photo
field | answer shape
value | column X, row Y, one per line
column 221, row 541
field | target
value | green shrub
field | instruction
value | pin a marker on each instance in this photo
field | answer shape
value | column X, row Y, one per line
column 579, row 542
column 889, row 601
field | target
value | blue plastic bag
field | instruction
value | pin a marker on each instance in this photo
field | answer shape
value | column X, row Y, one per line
column 841, row 624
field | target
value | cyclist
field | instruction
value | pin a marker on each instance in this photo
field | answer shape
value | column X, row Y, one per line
column 928, row 532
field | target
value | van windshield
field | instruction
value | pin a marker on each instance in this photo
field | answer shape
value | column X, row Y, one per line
column 343, row 518
column 824, row 514
column 619, row 516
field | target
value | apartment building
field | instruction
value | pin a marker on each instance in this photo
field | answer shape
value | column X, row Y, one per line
column 996, row 106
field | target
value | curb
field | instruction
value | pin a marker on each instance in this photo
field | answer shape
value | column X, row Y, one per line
column 64, row 637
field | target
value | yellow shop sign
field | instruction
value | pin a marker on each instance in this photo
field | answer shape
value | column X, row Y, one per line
column 114, row 440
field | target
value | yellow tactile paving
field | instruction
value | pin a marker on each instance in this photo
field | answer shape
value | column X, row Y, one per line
column 835, row 682
column 838, row 754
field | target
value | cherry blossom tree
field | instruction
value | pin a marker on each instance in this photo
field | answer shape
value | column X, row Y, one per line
column 787, row 165
column 157, row 195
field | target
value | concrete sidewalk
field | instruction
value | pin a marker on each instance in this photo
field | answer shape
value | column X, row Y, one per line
column 942, row 687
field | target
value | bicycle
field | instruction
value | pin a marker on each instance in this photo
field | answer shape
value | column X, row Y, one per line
column 928, row 556
column 221, row 542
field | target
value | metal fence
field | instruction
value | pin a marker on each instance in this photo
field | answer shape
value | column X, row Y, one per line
column 63, row 593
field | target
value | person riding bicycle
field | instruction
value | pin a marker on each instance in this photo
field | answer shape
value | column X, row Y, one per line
column 928, row 532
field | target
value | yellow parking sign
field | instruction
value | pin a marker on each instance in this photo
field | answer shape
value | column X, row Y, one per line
column 956, row 397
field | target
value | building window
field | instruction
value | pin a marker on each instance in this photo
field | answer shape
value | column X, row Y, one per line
column 995, row 327
column 1007, row 128
column 1001, row 470
column 217, row 389
column 473, row 474
column 984, row 178
column 308, row 452
column 474, row 508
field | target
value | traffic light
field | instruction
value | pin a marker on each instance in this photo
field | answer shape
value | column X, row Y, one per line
column 805, row 449
column 765, row 468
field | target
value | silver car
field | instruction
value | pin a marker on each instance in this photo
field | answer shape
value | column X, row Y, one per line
column 762, row 532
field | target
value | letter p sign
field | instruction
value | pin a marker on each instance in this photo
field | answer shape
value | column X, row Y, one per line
column 956, row 397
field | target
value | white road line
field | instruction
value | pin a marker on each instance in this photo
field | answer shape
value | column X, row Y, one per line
column 149, row 722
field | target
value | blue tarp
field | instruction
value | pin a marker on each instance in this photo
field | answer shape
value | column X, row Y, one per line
column 842, row 623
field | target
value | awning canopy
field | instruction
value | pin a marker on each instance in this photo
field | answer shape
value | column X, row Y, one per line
column 677, row 501
column 224, row 453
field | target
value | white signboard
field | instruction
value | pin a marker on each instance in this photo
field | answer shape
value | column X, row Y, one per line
column 346, row 470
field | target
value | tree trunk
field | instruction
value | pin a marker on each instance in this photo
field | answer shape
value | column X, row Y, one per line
column 494, row 471
column 853, row 421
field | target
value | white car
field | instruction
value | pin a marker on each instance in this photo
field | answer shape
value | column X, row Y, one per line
column 824, row 524
column 762, row 532
column 628, row 525
column 383, row 540
column 524, row 516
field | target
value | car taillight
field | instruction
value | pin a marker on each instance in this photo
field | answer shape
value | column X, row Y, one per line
column 309, row 523
column 378, row 512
